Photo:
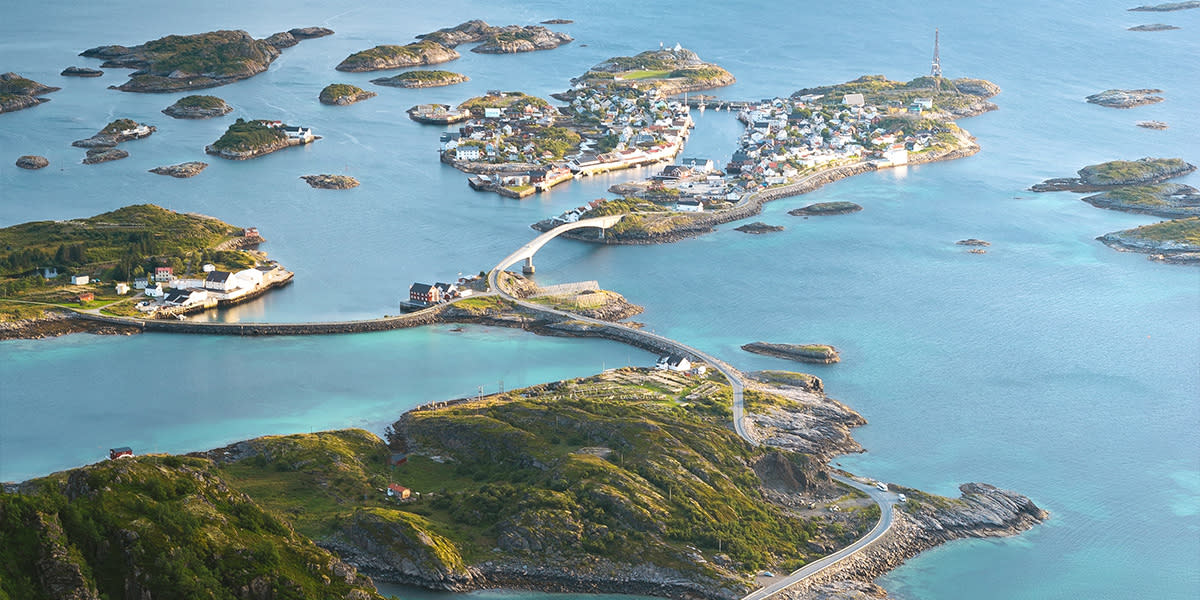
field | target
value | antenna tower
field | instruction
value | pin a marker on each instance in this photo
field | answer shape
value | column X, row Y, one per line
column 936, row 69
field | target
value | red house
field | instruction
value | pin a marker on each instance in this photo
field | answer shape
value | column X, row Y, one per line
column 86, row 297
column 163, row 274
column 123, row 451
column 396, row 490
column 427, row 294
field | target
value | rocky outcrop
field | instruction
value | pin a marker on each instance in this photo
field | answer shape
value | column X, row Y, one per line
column 815, row 423
column 972, row 242
column 32, row 162
column 1154, row 27
column 1175, row 241
column 758, row 227
column 198, row 107
column 393, row 546
column 385, row 57
column 18, row 93
column 1152, row 124
column 54, row 323
column 281, row 40
column 422, row 79
column 825, row 208
column 498, row 40
column 1104, row 176
column 81, row 72
column 181, row 170
column 810, row 353
column 557, row 22
column 1125, row 98
column 1170, row 200
column 341, row 94
column 100, row 155
column 330, row 182
column 308, row 33
column 121, row 130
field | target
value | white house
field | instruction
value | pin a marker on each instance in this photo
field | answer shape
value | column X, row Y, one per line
column 248, row 278
column 80, row 279
column 467, row 152
column 491, row 113
column 141, row 283
column 184, row 297
column 220, row 281
column 155, row 292
column 208, row 268
column 896, row 154
column 689, row 205
column 122, row 289
column 304, row 134
column 673, row 362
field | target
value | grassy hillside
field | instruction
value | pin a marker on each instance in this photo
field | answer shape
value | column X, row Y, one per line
column 157, row 527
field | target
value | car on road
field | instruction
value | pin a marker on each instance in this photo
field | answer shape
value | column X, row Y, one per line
column 881, row 485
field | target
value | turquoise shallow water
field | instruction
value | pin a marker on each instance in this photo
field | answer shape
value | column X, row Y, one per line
column 1051, row 365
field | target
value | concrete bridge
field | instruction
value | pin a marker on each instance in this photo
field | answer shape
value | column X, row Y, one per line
column 527, row 251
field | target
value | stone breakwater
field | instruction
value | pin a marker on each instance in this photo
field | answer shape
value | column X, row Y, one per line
column 983, row 511
column 425, row 317
column 56, row 323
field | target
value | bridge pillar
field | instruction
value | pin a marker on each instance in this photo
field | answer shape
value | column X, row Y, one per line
column 528, row 268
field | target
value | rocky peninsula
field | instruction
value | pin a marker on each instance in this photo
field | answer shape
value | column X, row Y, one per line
column 190, row 62
column 32, row 162
column 81, row 72
column 341, row 94
column 422, row 79
column 811, row 353
column 1125, row 98
column 198, row 107
column 330, row 182
column 380, row 58
column 17, row 93
column 498, row 40
column 825, row 208
column 758, row 227
column 1104, row 176
column 181, row 170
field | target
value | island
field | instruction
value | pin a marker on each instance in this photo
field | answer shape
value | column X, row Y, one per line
column 1167, row 7
column 198, row 107
column 1125, row 98
column 670, row 71
column 99, row 155
column 330, row 182
column 155, row 263
column 758, row 227
column 825, row 208
column 790, row 146
column 1171, row 200
column 32, row 162
column 498, row 40
column 341, row 94
column 181, row 170
column 973, row 242
column 1152, row 125
column 1175, row 242
column 1103, row 176
column 190, row 62
column 120, row 130
column 251, row 139
column 618, row 482
column 437, row 114
column 81, row 72
column 18, row 93
column 1153, row 27
column 557, row 22
column 381, row 58
column 812, row 353
column 422, row 79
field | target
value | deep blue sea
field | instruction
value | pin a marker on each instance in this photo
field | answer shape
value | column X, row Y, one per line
column 1052, row 365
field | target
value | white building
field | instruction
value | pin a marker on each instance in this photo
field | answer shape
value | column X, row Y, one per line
column 122, row 289
column 248, row 278
column 689, row 205
column 491, row 113
column 467, row 152
column 156, row 291
column 80, row 279
column 220, row 281
column 673, row 362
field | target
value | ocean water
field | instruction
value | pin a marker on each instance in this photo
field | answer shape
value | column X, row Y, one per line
column 1052, row 365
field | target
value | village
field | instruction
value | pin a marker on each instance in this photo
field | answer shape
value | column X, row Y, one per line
column 626, row 128
column 168, row 295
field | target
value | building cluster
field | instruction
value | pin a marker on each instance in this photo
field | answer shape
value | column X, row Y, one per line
column 296, row 133
column 784, row 137
column 168, row 293
column 423, row 295
column 502, row 134
column 640, row 127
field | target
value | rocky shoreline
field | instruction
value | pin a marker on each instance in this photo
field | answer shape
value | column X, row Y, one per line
column 1169, row 200
column 257, row 152
column 1173, row 242
column 19, row 93
column 55, row 323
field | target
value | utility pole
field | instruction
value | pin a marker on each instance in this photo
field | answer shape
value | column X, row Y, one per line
column 935, row 70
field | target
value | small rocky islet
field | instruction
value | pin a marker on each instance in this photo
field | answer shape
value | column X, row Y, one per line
column 18, row 93
column 1167, row 7
column 181, row 170
column 1154, row 27
column 81, row 72
column 104, row 154
column 120, row 130
column 1125, row 98
column 1170, row 200
column 825, row 208
column 330, row 182
column 1096, row 178
column 509, row 39
column 190, row 62
column 32, row 162
column 810, row 353
column 389, row 56
column 422, row 79
column 758, row 228
column 198, row 107
column 343, row 94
